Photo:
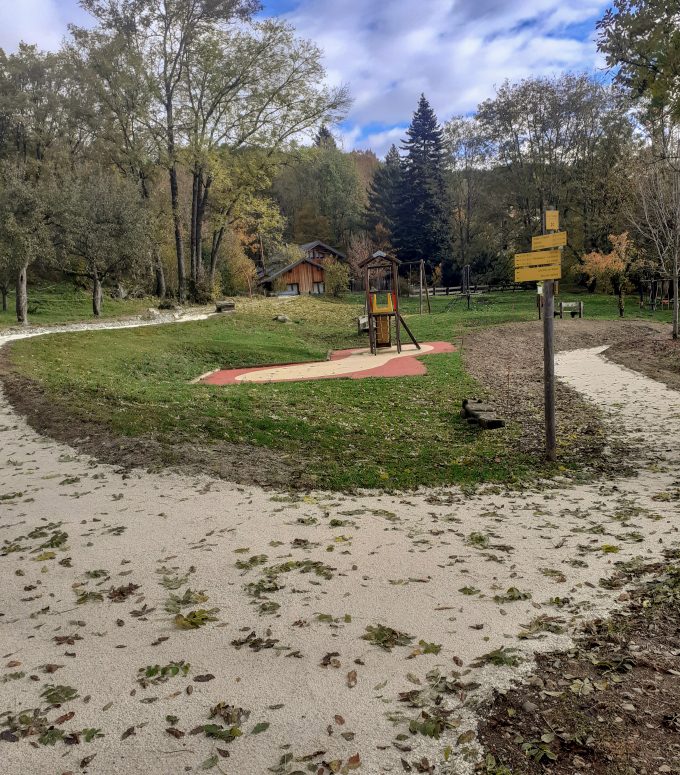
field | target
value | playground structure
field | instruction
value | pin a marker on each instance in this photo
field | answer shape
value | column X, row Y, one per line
column 381, row 314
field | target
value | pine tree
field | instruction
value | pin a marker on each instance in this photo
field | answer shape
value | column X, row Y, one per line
column 324, row 138
column 424, row 229
column 384, row 194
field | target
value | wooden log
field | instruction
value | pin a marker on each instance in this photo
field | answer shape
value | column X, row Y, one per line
column 491, row 423
column 225, row 306
column 475, row 409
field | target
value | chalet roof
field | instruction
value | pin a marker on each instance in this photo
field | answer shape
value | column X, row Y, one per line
column 269, row 277
column 318, row 244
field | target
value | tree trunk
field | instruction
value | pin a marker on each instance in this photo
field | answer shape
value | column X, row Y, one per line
column 204, row 190
column 216, row 242
column 676, row 302
column 179, row 239
column 161, row 289
column 22, row 296
column 96, row 295
column 195, row 195
column 4, row 291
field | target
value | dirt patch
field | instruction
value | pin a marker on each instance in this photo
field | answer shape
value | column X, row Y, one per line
column 609, row 706
column 234, row 462
column 508, row 361
column 653, row 353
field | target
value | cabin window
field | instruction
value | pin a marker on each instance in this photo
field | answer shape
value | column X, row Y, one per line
column 317, row 288
column 293, row 288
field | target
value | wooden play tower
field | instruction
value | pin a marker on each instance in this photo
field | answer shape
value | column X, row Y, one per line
column 381, row 278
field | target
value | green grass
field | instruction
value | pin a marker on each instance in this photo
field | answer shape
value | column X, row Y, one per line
column 63, row 303
column 373, row 432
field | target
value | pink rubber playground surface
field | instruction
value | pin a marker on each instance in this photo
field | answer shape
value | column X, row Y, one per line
column 343, row 364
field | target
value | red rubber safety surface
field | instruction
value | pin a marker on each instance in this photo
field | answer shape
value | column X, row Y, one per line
column 404, row 366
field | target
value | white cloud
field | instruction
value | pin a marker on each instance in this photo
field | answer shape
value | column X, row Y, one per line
column 43, row 22
column 456, row 51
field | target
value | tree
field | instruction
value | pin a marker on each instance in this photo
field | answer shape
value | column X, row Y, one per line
column 257, row 88
column 320, row 193
column 25, row 234
column 324, row 138
column 423, row 229
column 384, row 194
column 165, row 35
column 656, row 215
column 336, row 276
column 641, row 39
column 101, row 227
column 114, row 83
column 611, row 270
column 6, row 277
column 467, row 149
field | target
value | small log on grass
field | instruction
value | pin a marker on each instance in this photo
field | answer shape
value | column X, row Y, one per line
column 481, row 414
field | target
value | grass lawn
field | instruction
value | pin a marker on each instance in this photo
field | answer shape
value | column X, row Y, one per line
column 63, row 303
column 342, row 433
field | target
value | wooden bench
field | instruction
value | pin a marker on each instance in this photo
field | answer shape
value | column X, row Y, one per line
column 225, row 306
column 576, row 308
column 478, row 413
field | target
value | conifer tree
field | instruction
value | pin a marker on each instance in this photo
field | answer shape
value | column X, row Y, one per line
column 324, row 138
column 424, row 229
column 384, row 194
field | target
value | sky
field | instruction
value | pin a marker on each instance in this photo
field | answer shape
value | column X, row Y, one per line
column 390, row 51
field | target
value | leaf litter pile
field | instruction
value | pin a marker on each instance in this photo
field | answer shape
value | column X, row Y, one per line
column 161, row 625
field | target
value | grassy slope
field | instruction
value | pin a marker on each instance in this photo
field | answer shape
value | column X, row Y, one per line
column 62, row 303
column 393, row 432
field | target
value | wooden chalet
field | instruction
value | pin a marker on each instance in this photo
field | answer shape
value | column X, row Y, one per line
column 306, row 276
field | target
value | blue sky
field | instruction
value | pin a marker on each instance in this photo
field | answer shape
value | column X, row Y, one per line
column 389, row 51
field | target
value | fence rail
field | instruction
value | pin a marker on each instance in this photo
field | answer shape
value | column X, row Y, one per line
column 414, row 291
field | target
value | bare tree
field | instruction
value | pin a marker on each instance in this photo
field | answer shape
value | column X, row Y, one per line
column 656, row 179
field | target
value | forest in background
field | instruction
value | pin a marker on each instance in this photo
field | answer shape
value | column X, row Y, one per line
column 183, row 148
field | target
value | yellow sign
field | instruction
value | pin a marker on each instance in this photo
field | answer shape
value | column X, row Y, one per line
column 544, row 258
column 552, row 220
column 558, row 240
column 531, row 273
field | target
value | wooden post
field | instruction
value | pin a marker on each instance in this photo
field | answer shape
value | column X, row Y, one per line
column 397, row 316
column 427, row 292
column 421, row 288
column 549, row 364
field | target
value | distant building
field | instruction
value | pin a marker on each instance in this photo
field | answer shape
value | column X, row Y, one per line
column 305, row 276
column 320, row 252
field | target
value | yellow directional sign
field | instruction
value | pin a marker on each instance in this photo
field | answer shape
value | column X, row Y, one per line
column 552, row 220
column 544, row 258
column 531, row 273
column 557, row 240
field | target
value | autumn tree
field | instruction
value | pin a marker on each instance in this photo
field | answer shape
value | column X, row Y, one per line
column 611, row 270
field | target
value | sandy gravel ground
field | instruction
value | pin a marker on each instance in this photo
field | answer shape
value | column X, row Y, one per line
column 462, row 572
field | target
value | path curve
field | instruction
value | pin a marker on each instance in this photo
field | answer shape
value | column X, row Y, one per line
column 427, row 564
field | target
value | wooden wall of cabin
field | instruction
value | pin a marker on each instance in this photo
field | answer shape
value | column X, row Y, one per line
column 304, row 275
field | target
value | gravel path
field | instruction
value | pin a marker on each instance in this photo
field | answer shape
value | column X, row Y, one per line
column 90, row 558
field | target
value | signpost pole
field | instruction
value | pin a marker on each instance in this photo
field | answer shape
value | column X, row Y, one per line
column 549, row 363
